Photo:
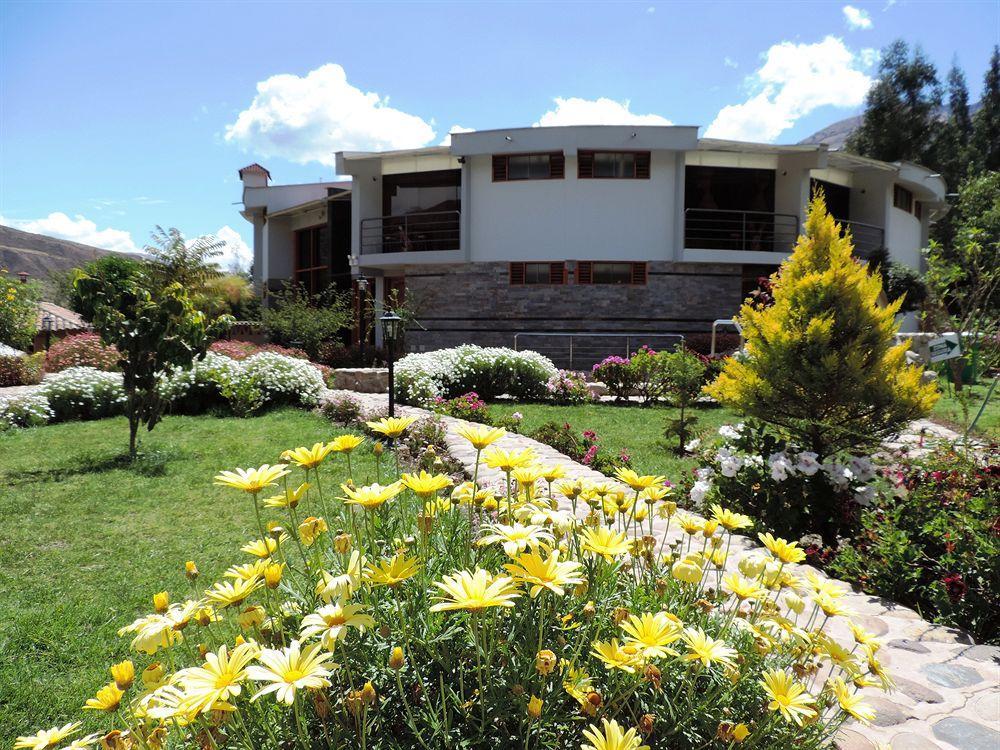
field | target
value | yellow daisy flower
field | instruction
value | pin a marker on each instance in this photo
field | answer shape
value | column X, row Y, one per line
column 706, row 649
column 787, row 552
column 345, row 443
column 391, row 427
column 611, row 736
column 636, row 482
column 787, row 696
column 289, row 499
column 44, row 739
column 371, row 496
column 507, row 461
column 307, row 458
column 108, row 699
column 392, row 572
column 425, row 485
column 228, row 594
column 651, row 633
column 218, row 679
column 605, row 542
column 515, row 538
column 330, row 623
column 615, row 656
column 252, row 481
column 481, row 436
column 545, row 573
column 475, row 591
column 291, row 669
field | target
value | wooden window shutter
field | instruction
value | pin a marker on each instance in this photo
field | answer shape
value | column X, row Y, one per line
column 516, row 274
column 585, row 165
column 639, row 274
column 557, row 166
column 642, row 165
column 584, row 272
column 557, row 273
column 499, row 168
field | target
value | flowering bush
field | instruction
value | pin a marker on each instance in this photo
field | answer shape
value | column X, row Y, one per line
column 18, row 311
column 467, row 406
column 407, row 614
column 933, row 540
column 615, row 373
column 342, row 410
column 81, row 350
column 243, row 349
column 84, row 393
column 584, row 446
column 567, row 387
column 490, row 372
column 24, row 410
column 787, row 489
column 21, row 369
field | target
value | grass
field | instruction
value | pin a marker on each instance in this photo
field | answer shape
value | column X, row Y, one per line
column 949, row 412
column 636, row 429
column 85, row 541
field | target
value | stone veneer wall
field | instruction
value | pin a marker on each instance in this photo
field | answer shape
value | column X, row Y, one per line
column 474, row 303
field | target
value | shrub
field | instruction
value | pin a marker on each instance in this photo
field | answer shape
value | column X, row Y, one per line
column 284, row 380
column 615, row 373
column 240, row 350
column 198, row 388
column 21, row 370
column 551, row 644
column 24, row 410
column 296, row 317
column 467, row 406
column 789, row 491
column 18, row 311
column 567, row 387
column 682, row 374
column 84, row 393
column 490, row 372
column 820, row 363
column 81, row 350
column 342, row 410
column 584, row 446
column 931, row 541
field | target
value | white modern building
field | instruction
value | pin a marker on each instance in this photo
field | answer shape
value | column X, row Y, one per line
column 574, row 229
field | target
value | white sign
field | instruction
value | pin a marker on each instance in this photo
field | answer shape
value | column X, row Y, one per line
column 945, row 347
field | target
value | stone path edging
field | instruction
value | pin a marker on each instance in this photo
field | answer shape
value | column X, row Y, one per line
column 948, row 688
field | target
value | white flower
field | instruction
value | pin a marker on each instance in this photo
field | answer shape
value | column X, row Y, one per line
column 839, row 474
column 807, row 464
column 699, row 490
column 862, row 468
column 731, row 433
column 864, row 495
column 780, row 467
column 729, row 466
column 703, row 474
column 517, row 416
column 692, row 445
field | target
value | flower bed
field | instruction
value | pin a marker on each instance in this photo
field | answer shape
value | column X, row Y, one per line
column 20, row 369
column 490, row 372
column 412, row 614
column 81, row 350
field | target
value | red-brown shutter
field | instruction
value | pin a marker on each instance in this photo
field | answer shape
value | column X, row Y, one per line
column 642, row 165
column 584, row 272
column 584, row 165
column 516, row 274
column 639, row 274
column 557, row 273
column 499, row 168
column 557, row 166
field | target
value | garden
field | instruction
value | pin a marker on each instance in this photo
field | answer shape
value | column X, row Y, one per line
column 260, row 572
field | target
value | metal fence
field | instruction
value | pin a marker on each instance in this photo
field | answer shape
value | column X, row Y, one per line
column 581, row 351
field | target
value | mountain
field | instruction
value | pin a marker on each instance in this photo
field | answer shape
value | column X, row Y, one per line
column 836, row 135
column 40, row 255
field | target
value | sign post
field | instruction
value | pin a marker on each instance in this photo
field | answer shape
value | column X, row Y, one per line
column 945, row 347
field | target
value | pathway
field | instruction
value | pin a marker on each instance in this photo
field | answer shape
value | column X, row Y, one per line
column 948, row 688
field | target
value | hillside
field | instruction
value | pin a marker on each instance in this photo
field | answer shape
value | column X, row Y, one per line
column 836, row 134
column 40, row 255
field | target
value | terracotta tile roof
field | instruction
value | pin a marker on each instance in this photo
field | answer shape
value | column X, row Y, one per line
column 254, row 168
column 63, row 319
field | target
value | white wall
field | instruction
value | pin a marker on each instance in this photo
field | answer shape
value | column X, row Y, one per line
column 571, row 219
column 904, row 238
column 280, row 263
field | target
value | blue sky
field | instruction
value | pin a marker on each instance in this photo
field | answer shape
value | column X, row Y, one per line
column 117, row 117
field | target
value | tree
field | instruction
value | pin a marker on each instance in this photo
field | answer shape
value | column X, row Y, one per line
column 820, row 365
column 175, row 260
column 153, row 330
column 986, row 122
column 115, row 271
column 684, row 374
column 901, row 109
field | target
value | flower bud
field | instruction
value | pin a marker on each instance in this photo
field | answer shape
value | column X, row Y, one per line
column 342, row 543
column 368, row 694
column 545, row 662
column 152, row 676
column 535, row 707
column 396, row 659
column 123, row 674
column 646, row 723
column 272, row 575
column 161, row 601
column 589, row 610
column 191, row 570
column 378, row 448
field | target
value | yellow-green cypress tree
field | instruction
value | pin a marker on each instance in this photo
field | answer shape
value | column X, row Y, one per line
column 821, row 365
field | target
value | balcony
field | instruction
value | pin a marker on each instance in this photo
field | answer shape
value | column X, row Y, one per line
column 868, row 238
column 752, row 231
column 414, row 232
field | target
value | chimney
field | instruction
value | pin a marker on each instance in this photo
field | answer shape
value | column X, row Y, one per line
column 23, row 276
column 254, row 175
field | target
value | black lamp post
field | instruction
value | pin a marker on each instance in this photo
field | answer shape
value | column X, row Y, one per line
column 362, row 333
column 392, row 326
column 47, row 327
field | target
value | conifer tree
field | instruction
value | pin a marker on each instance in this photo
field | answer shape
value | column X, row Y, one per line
column 986, row 122
column 821, row 365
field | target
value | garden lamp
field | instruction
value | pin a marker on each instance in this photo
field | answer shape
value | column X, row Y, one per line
column 392, row 327
column 47, row 327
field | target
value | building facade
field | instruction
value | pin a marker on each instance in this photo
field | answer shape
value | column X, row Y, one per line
column 583, row 229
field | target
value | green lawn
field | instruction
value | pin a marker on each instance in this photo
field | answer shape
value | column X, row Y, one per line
column 948, row 410
column 639, row 430
column 86, row 542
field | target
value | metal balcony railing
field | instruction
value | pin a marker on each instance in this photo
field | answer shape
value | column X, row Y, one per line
column 433, row 230
column 868, row 238
column 718, row 229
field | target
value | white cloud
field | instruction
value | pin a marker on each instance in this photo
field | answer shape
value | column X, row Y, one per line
column 602, row 111
column 236, row 253
column 794, row 80
column 651, row 9
column 308, row 118
column 730, row 62
column 446, row 141
column 857, row 18
column 77, row 229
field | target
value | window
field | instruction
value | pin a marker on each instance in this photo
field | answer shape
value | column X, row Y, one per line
column 902, row 198
column 537, row 273
column 918, row 209
column 621, row 165
column 508, row 167
column 608, row 272
column 310, row 271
